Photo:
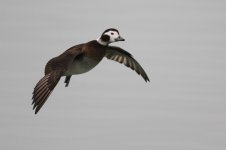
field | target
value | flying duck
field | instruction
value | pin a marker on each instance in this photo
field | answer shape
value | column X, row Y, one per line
column 80, row 59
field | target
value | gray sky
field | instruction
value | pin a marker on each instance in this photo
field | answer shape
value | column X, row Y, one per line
column 181, row 45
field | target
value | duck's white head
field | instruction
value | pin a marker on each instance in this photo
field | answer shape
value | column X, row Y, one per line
column 109, row 36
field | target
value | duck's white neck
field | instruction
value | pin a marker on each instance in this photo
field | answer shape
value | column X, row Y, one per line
column 101, row 42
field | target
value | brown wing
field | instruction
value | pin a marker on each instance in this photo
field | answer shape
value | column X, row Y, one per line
column 44, row 88
column 54, row 69
column 122, row 56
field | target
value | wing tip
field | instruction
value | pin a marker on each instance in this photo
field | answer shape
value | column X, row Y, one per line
column 41, row 93
column 36, row 111
column 147, row 80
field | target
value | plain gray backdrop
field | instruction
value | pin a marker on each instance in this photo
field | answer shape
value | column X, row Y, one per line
column 180, row 43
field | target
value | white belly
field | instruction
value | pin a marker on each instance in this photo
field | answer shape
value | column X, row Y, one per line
column 81, row 66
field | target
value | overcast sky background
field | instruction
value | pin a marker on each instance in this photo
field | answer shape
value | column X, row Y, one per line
column 180, row 43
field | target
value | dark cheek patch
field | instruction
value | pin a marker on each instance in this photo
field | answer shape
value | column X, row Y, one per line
column 105, row 38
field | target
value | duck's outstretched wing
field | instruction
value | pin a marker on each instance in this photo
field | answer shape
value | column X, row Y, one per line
column 55, row 68
column 44, row 88
column 122, row 56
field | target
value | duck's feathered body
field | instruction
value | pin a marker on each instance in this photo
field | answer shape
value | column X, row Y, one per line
column 80, row 59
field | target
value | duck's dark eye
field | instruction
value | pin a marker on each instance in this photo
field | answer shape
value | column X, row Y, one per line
column 112, row 33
